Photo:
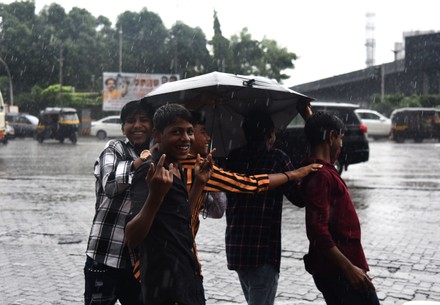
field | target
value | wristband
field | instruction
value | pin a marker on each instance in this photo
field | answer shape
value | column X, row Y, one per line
column 288, row 178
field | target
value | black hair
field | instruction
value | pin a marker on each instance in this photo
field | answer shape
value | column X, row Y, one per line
column 319, row 126
column 167, row 114
column 110, row 78
column 134, row 107
column 257, row 126
column 198, row 118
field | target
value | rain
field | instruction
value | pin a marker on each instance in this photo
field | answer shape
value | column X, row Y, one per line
column 59, row 57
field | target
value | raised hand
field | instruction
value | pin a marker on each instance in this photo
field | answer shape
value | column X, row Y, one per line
column 305, row 109
column 159, row 179
column 203, row 167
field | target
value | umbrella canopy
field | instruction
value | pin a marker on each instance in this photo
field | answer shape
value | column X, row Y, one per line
column 225, row 99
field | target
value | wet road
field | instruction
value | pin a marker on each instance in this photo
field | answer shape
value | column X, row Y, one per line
column 46, row 209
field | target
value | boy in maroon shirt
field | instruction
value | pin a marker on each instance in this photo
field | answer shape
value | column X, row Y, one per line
column 336, row 258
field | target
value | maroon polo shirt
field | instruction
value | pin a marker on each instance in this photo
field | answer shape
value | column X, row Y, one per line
column 331, row 220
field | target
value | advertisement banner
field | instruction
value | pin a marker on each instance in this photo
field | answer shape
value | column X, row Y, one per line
column 120, row 88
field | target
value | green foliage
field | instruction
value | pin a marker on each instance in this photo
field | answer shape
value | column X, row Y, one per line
column 396, row 101
column 144, row 39
column 220, row 47
column 246, row 54
column 385, row 108
column 265, row 58
column 75, row 48
column 276, row 60
column 409, row 101
column 430, row 100
column 188, row 50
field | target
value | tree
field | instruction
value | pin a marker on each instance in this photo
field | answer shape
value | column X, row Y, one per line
column 220, row 46
column 275, row 60
column 74, row 48
column 188, row 50
column 246, row 54
column 395, row 101
column 143, row 42
column 17, row 20
column 46, row 45
column 81, row 48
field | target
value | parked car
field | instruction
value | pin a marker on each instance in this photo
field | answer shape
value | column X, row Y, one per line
column 24, row 124
column 355, row 143
column 378, row 125
column 9, row 134
column 108, row 127
column 416, row 123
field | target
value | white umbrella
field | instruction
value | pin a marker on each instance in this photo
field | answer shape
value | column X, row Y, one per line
column 225, row 99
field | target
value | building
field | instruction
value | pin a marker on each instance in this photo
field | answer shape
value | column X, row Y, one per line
column 417, row 72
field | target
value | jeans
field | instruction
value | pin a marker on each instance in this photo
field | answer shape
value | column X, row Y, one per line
column 202, row 292
column 104, row 285
column 259, row 284
column 338, row 291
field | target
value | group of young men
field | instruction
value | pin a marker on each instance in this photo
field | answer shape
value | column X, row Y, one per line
column 148, row 201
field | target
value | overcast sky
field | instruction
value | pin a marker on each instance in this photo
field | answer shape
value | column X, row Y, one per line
column 328, row 35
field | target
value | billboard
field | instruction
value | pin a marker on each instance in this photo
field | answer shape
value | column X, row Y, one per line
column 120, row 88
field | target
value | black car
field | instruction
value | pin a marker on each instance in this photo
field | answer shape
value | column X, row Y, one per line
column 24, row 124
column 355, row 143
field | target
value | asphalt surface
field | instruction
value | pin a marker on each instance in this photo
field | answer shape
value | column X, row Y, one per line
column 46, row 209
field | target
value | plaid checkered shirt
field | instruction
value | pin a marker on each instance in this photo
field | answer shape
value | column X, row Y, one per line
column 113, row 174
column 253, row 231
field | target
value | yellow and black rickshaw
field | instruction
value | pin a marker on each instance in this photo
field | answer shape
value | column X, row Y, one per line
column 415, row 123
column 58, row 124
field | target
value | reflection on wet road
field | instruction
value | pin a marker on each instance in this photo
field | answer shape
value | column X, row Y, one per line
column 394, row 166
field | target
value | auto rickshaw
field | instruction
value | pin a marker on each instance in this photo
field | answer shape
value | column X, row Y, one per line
column 58, row 124
column 416, row 123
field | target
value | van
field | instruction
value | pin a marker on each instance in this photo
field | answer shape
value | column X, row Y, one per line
column 416, row 123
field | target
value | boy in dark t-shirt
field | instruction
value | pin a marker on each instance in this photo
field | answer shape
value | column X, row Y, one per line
column 160, row 221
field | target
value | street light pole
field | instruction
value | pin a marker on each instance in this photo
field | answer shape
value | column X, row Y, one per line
column 61, row 74
column 11, row 94
column 382, row 83
column 120, row 50
column 175, row 54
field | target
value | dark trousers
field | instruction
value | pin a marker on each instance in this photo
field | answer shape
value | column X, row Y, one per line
column 338, row 291
column 104, row 285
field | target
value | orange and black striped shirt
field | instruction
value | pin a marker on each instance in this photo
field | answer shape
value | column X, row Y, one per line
column 222, row 181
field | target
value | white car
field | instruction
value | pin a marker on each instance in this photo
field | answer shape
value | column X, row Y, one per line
column 378, row 125
column 108, row 127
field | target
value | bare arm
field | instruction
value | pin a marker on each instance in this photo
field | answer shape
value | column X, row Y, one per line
column 357, row 277
column 137, row 163
column 305, row 109
column 279, row 179
column 159, row 181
